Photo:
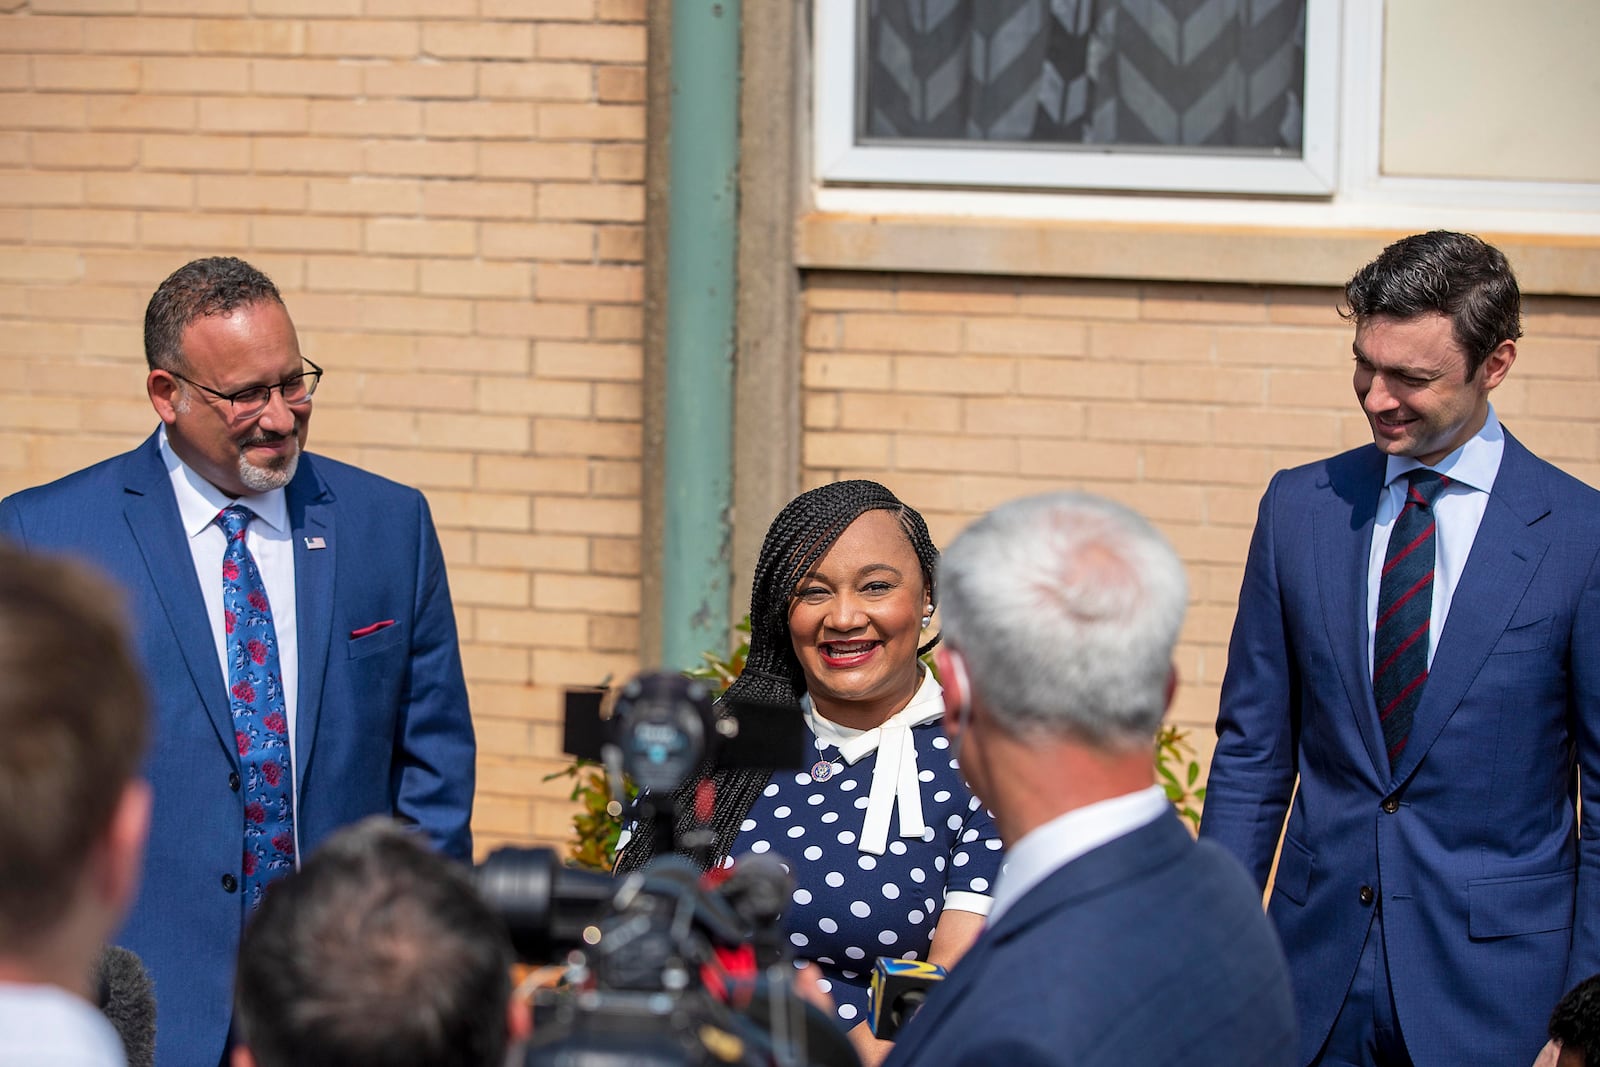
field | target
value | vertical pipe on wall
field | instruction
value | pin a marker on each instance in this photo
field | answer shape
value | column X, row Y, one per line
column 701, row 290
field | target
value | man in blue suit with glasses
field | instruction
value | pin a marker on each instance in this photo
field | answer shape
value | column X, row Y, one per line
column 293, row 620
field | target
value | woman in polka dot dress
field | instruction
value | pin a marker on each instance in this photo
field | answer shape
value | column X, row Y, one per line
column 890, row 853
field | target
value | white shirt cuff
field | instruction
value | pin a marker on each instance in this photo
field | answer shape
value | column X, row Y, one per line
column 959, row 900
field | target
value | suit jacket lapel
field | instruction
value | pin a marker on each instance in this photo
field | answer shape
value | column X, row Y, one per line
column 1096, row 872
column 1505, row 554
column 1342, row 534
column 151, row 511
column 311, row 522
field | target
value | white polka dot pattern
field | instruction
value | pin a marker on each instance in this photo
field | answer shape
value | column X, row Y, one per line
column 852, row 906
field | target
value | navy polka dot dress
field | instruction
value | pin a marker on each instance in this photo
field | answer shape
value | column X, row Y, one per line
column 851, row 906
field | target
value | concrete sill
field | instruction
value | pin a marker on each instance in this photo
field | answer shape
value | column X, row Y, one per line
column 1545, row 265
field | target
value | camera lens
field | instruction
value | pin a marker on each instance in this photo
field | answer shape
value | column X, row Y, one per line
column 545, row 906
column 661, row 722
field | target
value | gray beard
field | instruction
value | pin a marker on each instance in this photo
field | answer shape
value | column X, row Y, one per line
column 266, row 479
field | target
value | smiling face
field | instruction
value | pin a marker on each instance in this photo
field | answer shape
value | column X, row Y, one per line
column 255, row 344
column 855, row 622
column 1411, row 379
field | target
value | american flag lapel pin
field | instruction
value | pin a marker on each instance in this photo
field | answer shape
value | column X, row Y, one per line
column 314, row 543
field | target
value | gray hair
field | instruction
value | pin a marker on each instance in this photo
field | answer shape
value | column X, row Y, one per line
column 1066, row 608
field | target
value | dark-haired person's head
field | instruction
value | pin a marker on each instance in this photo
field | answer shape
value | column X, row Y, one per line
column 226, row 375
column 797, row 541
column 1575, row 1025
column 1437, row 317
column 201, row 288
column 1455, row 275
column 73, row 728
column 378, row 952
column 73, row 813
column 854, row 531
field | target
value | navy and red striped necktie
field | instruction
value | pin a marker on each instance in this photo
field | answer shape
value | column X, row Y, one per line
column 1405, row 606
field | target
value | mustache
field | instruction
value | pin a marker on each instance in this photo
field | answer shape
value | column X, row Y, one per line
column 263, row 439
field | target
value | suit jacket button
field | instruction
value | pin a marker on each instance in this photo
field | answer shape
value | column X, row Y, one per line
column 230, row 883
column 1391, row 805
column 1366, row 896
column 233, row 781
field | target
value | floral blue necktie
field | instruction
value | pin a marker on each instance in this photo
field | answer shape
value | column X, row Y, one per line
column 261, row 726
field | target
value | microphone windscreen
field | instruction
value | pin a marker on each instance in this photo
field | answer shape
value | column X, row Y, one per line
column 897, row 991
column 127, row 998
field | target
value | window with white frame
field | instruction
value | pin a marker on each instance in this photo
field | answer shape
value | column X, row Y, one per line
column 1270, row 112
column 1181, row 95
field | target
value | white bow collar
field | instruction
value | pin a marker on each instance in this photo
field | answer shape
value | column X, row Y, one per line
column 895, row 774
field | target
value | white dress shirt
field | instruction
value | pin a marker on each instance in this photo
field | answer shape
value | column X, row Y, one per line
column 268, row 538
column 1047, row 848
column 44, row 1026
column 1458, row 511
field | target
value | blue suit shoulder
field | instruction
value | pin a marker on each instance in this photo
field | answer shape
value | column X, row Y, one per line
column 1096, row 965
column 374, row 509
column 1353, row 463
column 119, row 469
column 53, row 514
column 1556, row 480
column 90, row 479
column 1363, row 460
column 336, row 475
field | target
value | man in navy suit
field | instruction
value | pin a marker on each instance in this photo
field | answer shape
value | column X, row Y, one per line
column 1434, row 895
column 1115, row 938
column 346, row 700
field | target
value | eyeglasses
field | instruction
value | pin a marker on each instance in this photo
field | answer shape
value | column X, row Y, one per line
column 295, row 389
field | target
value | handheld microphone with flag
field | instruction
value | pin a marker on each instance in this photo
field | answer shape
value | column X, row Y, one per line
column 898, row 989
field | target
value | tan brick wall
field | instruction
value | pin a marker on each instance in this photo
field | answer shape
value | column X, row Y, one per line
column 452, row 204
column 1180, row 401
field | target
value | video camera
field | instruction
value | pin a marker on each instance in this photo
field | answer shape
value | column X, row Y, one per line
column 664, row 966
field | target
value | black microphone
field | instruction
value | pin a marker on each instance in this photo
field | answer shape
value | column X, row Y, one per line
column 126, row 996
column 759, row 890
column 898, row 989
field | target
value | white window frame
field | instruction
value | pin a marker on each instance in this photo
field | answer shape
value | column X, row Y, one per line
column 1362, row 139
column 840, row 159
column 984, row 182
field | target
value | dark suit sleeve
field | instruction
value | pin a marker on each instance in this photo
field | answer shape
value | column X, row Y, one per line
column 1013, row 1051
column 11, row 522
column 434, row 768
column 1584, row 960
column 1253, row 769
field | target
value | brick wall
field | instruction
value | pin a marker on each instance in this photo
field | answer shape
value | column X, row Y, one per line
column 452, row 204
column 1180, row 401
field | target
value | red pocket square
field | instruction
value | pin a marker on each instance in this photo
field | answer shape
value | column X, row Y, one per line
column 374, row 628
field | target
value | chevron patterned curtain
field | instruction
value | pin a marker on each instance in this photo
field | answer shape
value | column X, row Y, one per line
column 1211, row 74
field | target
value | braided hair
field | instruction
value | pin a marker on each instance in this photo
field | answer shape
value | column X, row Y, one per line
column 796, row 541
